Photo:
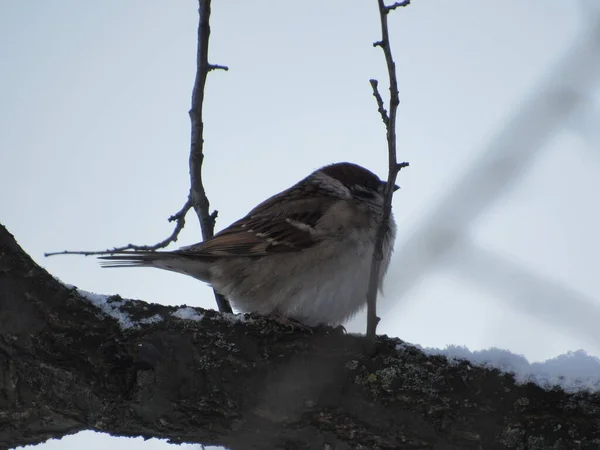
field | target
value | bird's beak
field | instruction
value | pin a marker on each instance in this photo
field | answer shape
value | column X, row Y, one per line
column 396, row 187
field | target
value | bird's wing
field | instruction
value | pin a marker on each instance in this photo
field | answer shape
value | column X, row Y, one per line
column 267, row 229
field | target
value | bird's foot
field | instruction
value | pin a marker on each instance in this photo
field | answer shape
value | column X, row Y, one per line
column 292, row 324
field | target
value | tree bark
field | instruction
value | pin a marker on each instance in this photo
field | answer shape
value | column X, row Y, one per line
column 247, row 382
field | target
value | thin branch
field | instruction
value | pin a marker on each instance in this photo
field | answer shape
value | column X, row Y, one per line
column 390, row 124
column 396, row 5
column 178, row 218
column 198, row 196
column 217, row 67
column 380, row 106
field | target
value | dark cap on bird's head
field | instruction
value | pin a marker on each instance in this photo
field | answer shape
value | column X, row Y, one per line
column 351, row 174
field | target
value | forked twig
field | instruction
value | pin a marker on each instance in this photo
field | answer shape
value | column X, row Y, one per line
column 389, row 120
column 178, row 218
column 197, row 198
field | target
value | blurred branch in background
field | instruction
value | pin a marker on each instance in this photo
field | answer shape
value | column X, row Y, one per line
column 565, row 92
column 548, row 301
column 585, row 123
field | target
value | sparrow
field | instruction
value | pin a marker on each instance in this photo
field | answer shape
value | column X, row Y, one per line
column 303, row 254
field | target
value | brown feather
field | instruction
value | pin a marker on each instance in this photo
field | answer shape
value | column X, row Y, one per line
column 266, row 229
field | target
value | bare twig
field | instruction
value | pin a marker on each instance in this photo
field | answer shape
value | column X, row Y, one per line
column 389, row 119
column 198, row 196
column 380, row 106
column 217, row 67
column 397, row 5
column 178, row 218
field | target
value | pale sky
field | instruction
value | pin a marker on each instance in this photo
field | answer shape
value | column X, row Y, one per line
column 94, row 135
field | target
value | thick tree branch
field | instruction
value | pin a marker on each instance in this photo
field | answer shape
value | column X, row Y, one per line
column 246, row 382
column 200, row 201
column 389, row 120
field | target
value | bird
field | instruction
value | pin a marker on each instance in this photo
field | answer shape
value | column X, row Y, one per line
column 302, row 255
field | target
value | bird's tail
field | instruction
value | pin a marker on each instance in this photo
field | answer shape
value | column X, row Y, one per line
column 193, row 265
column 133, row 259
